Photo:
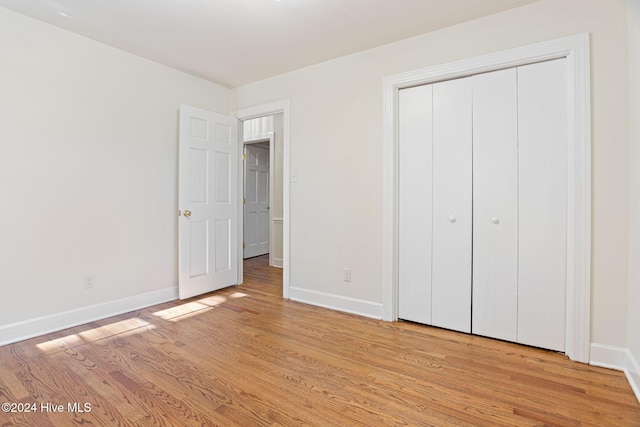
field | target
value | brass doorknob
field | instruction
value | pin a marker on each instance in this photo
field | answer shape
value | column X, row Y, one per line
column 187, row 213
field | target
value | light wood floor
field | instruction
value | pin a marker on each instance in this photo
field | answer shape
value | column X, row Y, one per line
column 244, row 356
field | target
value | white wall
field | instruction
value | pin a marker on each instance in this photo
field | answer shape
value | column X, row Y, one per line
column 634, row 213
column 88, row 170
column 336, row 150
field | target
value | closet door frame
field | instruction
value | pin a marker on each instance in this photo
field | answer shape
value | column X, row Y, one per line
column 576, row 50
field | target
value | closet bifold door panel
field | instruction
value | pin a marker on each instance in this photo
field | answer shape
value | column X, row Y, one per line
column 542, row 228
column 495, row 205
column 452, row 181
column 415, row 204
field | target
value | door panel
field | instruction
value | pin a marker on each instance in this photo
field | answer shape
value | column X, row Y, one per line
column 415, row 204
column 223, row 178
column 223, row 245
column 495, row 205
column 451, row 252
column 542, row 118
column 198, row 248
column 198, row 180
column 207, row 176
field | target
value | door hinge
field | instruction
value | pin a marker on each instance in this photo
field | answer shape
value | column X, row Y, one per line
column 244, row 157
column 244, row 201
column 243, row 246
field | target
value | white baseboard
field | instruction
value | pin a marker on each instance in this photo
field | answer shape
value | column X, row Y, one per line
column 277, row 262
column 620, row 359
column 337, row 302
column 55, row 322
column 634, row 382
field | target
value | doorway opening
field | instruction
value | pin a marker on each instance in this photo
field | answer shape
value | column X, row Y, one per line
column 262, row 186
column 248, row 130
column 262, row 180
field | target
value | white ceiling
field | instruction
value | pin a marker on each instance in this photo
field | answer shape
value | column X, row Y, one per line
column 235, row 42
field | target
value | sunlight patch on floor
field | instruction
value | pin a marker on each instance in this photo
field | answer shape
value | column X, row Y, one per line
column 238, row 295
column 214, row 300
column 183, row 311
column 118, row 329
column 60, row 344
column 190, row 309
column 136, row 325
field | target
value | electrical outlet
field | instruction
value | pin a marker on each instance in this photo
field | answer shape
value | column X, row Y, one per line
column 347, row 275
column 89, row 281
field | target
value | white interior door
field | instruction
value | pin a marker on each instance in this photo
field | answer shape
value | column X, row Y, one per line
column 495, row 205
column 256, row 201
column 415, row 204
column 208, row 188
column 452, row 186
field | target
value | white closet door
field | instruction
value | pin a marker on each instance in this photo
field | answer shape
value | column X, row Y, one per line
column 495, row 205
column 542, row 118
column 414, row 260
column 451, row 268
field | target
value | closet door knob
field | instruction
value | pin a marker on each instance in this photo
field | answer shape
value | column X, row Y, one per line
column 452, row 219
column 495, row 219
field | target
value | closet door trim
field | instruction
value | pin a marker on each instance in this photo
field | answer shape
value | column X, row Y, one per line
column 576, row 50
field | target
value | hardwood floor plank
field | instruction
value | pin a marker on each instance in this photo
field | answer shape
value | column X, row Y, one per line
column 243, row 356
